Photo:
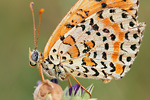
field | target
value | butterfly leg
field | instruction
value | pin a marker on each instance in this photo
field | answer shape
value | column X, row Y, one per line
column 41, row 72
column 78, row 83
column 69, row 82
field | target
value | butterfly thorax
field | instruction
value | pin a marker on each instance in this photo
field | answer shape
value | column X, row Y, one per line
column 54, row 69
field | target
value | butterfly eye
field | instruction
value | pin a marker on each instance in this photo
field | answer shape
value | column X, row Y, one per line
column 35, row 56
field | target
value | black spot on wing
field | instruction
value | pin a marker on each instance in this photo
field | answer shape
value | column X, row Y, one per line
column 83, row 27
column 135, row 36
column 54, row 50
column 120, row 58
column 80, row 10
column 112, row 11
column 137, row 2
column 49, row 61
column 83, row 62
column 104, row 55
column 86, row 70
column 113, row 37
column 105, row 30
column 83, row 21
column 104, row 39
column 128, row 59
column 113, row 67
column 126, row 35
column 64, row 58
column 111, row 18
column 71, row 70
column 98, row 33
column 134, row 18
column 95, row 27
column 103, row 5
column 61, row 52
column 51, row 57
column 103, row 65
column 87, row 48
column 100, row 14
column 106, row 46
column 87, row 13
column 46, row 68
column 104, row 73
column 123, row 69
column 69, row 25
column 80, row 15
column 98, row 0
column 95, row 64
column 91, row 21
column 73, row 38
column 85, row 75
column 131, row 23
column 88, row 32
column 121, row 47
column 77, row 67
column 133, row 47
column 96, row 72
column 95, row 54
column 70, row 62
column 136, row 13
column 78, row 74
column 62, row 38
column 121, row 25
column 93, row 43
column 124, row 15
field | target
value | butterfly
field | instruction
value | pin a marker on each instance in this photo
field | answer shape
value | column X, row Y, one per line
column 97, row 39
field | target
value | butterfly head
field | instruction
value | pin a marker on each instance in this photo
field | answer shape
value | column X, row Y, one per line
column 34, row 56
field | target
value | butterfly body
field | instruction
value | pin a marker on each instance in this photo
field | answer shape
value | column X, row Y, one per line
column 97, row 39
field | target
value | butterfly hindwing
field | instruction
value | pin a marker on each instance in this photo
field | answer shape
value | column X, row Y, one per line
column 104, row 46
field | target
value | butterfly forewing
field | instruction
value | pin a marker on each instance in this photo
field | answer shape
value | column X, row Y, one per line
column 83, row 9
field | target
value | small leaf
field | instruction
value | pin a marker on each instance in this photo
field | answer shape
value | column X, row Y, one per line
column 85, row 95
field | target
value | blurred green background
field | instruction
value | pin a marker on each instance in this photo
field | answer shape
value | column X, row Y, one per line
column 17, row 78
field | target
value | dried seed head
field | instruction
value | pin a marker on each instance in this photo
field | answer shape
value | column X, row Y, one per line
column 48, row 91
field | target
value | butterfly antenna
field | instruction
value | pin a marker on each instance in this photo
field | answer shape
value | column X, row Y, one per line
column 31, row 7
column 40, row 12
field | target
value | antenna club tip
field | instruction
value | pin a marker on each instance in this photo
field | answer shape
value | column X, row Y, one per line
column 41, row 11
column 31, row 4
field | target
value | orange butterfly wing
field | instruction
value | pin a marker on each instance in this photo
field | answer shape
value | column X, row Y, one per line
column 83, row 9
